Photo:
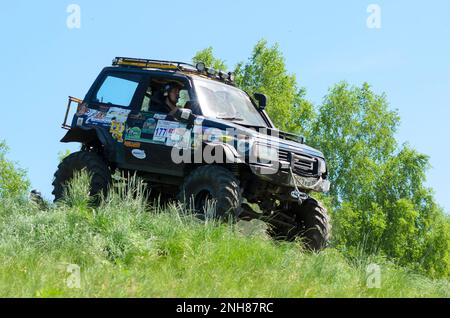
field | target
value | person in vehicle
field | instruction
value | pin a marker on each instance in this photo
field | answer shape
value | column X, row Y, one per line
column 167, row 103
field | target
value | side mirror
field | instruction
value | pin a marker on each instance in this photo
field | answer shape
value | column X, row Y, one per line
column 262, row 100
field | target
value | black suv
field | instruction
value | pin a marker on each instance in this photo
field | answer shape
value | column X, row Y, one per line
column 220, row 147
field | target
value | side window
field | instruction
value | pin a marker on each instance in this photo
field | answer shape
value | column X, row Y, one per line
column 154, row 98
column 118, row 89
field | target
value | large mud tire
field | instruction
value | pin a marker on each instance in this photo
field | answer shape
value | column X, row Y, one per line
column 312, row 225
column 94, row 165
column 212, row 184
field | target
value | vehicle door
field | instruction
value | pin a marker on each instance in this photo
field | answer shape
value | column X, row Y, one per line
column 151, row 135
column 108, row 104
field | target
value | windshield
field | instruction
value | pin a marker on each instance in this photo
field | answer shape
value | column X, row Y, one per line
column 223, row 101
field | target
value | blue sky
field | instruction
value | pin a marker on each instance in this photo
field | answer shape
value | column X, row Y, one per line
column 43, row 61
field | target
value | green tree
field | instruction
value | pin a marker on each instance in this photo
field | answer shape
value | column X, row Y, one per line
column 206, row 56
column 378, row 195
column 266, row 72
column 13, row 179
column 355, row 129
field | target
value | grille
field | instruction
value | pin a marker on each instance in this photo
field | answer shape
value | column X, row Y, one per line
column 301, row 164
column 284, row 155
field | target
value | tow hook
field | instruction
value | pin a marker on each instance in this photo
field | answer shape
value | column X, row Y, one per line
column 299, row 196
column 296, row 193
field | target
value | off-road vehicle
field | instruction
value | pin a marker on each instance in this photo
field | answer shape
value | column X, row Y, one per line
column 220, row 146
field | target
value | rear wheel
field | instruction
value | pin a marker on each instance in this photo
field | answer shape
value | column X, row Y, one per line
column 212, row 185
column 94, row 165
column 311, row 223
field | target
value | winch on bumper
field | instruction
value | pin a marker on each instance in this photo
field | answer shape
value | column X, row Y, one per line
column 284, row 178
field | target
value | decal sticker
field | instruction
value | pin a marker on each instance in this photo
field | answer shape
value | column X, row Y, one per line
column 95, row 117
column 131, row 144
column 119, row 115
column 134, row 133
column 139, row 154
column 180, row 138
column 116, row 130
column 149, row 126
column 80, row 121
column 160, row 116
column 164, row 129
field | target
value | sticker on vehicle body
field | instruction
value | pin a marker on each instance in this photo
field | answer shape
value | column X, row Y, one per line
column 105, row 118
column 133, row 133
column 164, row 128
column 118, row 114
column 131, row 144
column 116, row 130
column 149, row 126
column 95, row 117
column 180, row 138
column 160, row 116
column 139, row 154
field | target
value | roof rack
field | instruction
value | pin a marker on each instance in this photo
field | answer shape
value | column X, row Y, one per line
column 147, row 63
column 200, row 68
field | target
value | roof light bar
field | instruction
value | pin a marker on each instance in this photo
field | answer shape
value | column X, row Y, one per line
column 174, row 66
column 147, row 63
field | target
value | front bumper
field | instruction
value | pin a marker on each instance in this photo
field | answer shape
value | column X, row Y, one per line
column 285, row 178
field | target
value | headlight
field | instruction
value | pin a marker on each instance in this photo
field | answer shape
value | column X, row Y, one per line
column 322, row 166
column 264, row 154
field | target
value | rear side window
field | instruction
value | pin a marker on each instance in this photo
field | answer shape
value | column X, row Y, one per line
column 118, row 89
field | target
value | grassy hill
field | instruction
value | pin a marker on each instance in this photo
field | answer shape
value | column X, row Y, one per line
column 126, row 248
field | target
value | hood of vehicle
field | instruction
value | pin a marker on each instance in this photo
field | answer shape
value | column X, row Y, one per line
column 284, row 144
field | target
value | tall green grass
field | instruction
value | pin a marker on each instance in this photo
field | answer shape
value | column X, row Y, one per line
column 130, row 248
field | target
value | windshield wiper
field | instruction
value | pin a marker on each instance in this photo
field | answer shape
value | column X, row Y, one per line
column 230, row 117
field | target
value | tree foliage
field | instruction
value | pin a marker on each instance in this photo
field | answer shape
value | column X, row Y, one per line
column 379, row 199
column 13, row 181
column 355, row 129
column 265, row 72
column 206, row 56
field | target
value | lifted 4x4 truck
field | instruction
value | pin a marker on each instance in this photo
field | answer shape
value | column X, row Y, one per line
column 220, row 147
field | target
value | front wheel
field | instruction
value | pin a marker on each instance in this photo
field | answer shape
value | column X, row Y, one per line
column 310, row 222
column 212, row 185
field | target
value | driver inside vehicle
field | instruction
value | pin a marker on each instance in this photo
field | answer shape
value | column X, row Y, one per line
column 167, row 103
